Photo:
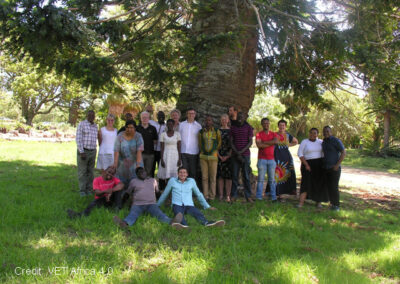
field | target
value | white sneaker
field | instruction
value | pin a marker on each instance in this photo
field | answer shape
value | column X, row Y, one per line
column 218, row 223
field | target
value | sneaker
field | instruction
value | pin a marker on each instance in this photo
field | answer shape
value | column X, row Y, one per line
column 177, row 219
column 72, row 214
column 122, row 224
column 335, row 208
column 179, row 226
column 219, row 223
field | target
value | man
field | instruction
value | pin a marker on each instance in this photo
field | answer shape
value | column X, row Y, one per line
column 149, row 134
column 160, row 128
column 182, row 189
column 86, row 141
column 144, row 200
column 128, row 116
column 266, row 141
column 189, row 130
column 209, row 143
column 334, row 153
column 106, row 188
column 241, row 140
column 233, row 112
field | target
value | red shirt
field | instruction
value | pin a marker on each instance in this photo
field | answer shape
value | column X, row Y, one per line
column 101, row 184
column 266, row 153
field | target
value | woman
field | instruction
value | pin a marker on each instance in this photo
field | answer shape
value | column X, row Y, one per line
column 128, row 150
column 170, row 142
column 311, row 157
column 106, row 137
column 175, row 116
column 209, row 144
column 224, row 172
column 285, row 176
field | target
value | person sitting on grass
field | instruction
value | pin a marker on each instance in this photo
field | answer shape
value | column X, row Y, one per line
column 106, row 188
column 182, row 188
column 144, row 200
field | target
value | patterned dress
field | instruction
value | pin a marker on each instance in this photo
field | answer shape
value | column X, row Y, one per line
column 127, row 156
column 225, row 168
column 285, row 176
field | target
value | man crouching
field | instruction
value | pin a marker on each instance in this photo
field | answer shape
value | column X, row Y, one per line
column 106, row 188
column 144, row 200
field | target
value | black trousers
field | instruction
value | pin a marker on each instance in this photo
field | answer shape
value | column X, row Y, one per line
column 332, row 184
column 191, row 162
column 157, row 158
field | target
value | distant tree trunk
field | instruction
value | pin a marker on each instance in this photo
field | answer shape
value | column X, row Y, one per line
column 386, row 129
column 26, row 109
column 73, row 112
column 227, row 79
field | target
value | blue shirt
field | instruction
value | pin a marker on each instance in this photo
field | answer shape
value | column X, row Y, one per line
column 182, row 193
column 332, row 148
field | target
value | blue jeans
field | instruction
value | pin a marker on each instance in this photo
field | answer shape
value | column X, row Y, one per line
column 236, row 165
column 152, row 209
column 266, row 166
column 191, row 210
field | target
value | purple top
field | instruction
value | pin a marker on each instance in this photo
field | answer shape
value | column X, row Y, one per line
column 241, row 136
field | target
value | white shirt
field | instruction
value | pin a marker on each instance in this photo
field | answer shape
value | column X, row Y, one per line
column 107, row 141
column 160, row 129
column 310, row 150
column 189, row 132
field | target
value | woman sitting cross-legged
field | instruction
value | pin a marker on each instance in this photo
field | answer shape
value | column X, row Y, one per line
column 182, row 188
column 144, row 200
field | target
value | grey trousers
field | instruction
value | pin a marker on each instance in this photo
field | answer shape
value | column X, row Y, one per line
column 85, row 171
column 148, row 160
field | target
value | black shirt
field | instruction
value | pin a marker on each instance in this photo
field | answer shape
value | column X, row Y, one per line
column 149, row 134
column 332, row 148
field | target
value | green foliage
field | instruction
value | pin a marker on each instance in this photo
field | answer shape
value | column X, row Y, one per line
column 348, row 117
column 265, row 105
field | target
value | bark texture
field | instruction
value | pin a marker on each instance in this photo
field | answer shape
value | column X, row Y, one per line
column 228, row 78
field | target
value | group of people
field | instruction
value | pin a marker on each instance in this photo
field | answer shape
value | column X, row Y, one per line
column 187, row 154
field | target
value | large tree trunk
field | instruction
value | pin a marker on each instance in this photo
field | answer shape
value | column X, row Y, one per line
column 386, row 129
column 27, row 113
column 227, row 79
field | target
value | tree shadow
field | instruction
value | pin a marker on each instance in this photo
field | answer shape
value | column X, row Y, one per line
column 260, row 243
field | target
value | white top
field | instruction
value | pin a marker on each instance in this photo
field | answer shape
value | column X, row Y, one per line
column 160, row 130
column 189, row 132
column 310, row 150
column 107, row 140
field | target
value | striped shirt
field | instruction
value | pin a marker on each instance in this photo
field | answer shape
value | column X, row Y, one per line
column 86, row 136
column 241, row 136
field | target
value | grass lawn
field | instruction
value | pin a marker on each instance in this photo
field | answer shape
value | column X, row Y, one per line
column 261, row 243
column 356, row 159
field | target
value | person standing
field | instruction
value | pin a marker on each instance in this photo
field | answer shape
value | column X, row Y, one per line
column 149, row 135
column 209, row 143
column 128, row 150
column 106, row 137
column 86, row 141
column 265, row 141
column 176, row 116
column 160, row 127
column 334, row 153
column 128, row 116
column 170, row 154
column 233, row 112
column 285, row 175
column 189, row 129
column 224, row 172
column 241, row 140
column 311, row 157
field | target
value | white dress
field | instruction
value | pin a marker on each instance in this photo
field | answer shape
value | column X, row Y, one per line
column 106, row 151
column 171, row 156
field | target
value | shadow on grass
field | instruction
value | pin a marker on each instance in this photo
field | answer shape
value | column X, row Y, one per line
column 260, row 243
